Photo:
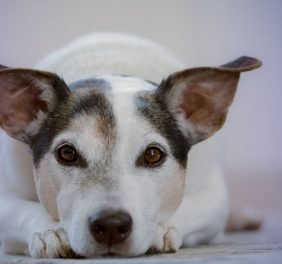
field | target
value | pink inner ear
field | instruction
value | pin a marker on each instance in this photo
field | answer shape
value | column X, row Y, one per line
column 19, row 107
column 205, row 109
column 196, row 104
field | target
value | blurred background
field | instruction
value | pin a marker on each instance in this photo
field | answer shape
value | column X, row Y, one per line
column 200, row 32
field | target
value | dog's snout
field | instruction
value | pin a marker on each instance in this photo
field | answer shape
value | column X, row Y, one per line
column 110, row 227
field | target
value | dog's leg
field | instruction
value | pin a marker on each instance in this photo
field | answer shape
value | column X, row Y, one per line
column 200, row 218
column 26, row 227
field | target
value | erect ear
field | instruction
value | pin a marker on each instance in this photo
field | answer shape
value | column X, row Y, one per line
column 26, row 96
column 200, row 97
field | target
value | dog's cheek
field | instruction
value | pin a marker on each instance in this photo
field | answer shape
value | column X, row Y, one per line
column 171, row 193
column 47, row 186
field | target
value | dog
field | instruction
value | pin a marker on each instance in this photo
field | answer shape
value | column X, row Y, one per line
column 95, row 164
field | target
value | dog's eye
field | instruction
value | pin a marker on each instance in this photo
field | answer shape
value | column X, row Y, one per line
column 152, row 157
column 66, row 154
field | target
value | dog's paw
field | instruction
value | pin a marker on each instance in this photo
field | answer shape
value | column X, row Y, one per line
column 167, row 240
column 50, row 244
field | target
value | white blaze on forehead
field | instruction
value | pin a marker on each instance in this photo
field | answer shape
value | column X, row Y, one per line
column 124, row 91
column 134, row 132
column 120, row 84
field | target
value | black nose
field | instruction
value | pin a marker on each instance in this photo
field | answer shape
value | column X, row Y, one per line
column 110, row 227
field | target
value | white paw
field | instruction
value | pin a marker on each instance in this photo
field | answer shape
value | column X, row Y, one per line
column 167, row 240
column 50, row 244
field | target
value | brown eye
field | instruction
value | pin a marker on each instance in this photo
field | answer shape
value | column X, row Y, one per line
column 151, row 157
column 66, row 154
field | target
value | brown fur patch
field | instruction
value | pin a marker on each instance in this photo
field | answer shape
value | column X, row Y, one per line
column 18, row 108
column 206, row 108
column 20, row 98
column 20, row 101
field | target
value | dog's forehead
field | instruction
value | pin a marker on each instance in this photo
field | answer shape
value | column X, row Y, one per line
column 119, row 106
column 137, row 112
column 114, row 83
column 92, row 97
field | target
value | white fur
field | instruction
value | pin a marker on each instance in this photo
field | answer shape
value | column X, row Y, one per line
column 114, row 53
column 201, row 215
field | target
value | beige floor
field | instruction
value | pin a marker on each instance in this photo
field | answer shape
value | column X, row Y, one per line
column 264, row 246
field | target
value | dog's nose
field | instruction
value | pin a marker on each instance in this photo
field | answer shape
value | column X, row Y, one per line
column 110, row 227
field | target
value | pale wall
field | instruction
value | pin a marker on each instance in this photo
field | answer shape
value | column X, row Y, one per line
column 201, row 32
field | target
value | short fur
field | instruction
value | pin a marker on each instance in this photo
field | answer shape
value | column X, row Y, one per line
column 112, row 119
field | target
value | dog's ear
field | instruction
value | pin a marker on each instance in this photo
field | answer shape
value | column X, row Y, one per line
column 199, row 98
column 26, row 96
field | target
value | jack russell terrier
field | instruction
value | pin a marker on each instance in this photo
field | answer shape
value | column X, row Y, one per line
column 96, row 164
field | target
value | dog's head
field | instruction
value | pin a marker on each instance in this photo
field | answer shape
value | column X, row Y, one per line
column 110, row 152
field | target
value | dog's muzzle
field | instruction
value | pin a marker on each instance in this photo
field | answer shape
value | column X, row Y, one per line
column 110, row 227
